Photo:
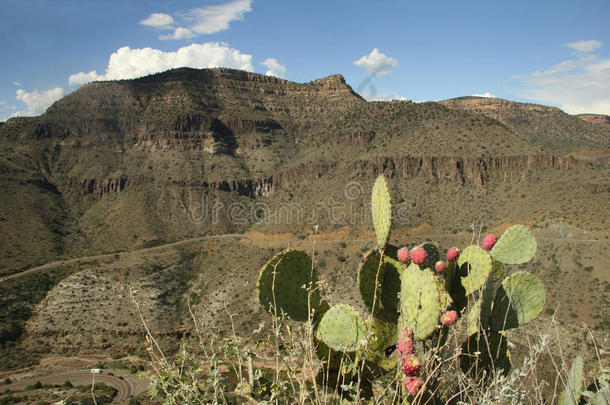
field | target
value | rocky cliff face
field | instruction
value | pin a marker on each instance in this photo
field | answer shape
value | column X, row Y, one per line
column 494, row 105
column 469, row 170
column 436, row 169
column 599, row 119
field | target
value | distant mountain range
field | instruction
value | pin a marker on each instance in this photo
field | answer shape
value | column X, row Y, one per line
column 123, row 157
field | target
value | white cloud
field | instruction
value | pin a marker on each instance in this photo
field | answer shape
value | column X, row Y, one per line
column 585, row 46
column 211, row 19
column 580, row 85
column 383, row 97
column 199, row 21
column 16, row 83
column 275, row 68
column 37, row 102
column 158, row 20
column 376, row 63
column 127, row 63
column 179, row 33
column 486, row 95
column 82, row 78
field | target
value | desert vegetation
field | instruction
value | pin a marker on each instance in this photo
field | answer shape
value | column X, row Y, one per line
column 438, row 329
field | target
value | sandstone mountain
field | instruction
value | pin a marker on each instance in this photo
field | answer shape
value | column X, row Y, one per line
column 546, row 126
column 119, row 166
column 595, row 118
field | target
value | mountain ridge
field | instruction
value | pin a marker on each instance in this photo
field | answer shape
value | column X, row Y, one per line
column 243, row 135
column 536, row 123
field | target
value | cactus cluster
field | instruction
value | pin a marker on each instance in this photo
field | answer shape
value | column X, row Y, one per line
column 415, row 291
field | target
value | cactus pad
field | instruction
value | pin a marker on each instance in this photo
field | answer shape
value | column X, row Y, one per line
column 475, row 266
column 383, row 335
column 342, row 329
column 516, row 245
column 388, row 284
column 293, row 270
column 519, row 299
column 571, row 395
column 480, row 311
column 381, row 208
column 420, row 301
column 482, row 355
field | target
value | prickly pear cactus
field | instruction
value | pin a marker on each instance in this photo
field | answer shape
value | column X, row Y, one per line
column 388, row 283
column 516, row 245
column 286, row 278
column 519, row 300
column 480, row 311
column 382, row 335
column 419, row 301
column 342, row 329
column 571, row 395
column 412, row 298
column 475, row 266
column 381, row 208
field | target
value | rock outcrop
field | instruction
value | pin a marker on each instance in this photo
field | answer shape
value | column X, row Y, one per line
column 600, row 119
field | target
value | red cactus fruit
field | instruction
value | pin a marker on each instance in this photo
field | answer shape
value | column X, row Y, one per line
column 489, row 241
column 410, row 365
column 449, row 318
column 419, row 256
column 405, row 334
column 403, row 255
column 440, row 267
column 453, row 253
column 412, row 385
column 404, row 347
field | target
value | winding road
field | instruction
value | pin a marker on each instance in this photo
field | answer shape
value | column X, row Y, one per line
column 125, row 385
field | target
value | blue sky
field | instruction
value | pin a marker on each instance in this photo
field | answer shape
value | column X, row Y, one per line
column 554, row 53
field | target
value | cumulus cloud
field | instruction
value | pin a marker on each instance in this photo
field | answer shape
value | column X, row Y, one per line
column 82, row 78
column 16, row 83
column 158, row 20
column 579, row 85
column 377, row 63
column 486, row 95
column 275, row 68
column 199, row 21
column 584, row 46
column 128, row 63
column 37, row 102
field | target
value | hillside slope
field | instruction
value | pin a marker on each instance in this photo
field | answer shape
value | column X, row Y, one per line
column 549, row 127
